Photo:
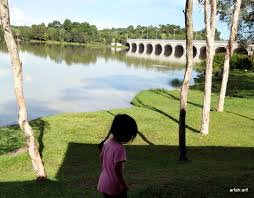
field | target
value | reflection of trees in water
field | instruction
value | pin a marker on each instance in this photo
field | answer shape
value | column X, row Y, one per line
column 58, row 53
column 82, row 55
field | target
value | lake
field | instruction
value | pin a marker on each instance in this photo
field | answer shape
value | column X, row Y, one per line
column 61, row 79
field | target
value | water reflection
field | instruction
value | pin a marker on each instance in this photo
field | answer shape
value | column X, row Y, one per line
column 9, row 110
column 69, row 78
column 71, row 55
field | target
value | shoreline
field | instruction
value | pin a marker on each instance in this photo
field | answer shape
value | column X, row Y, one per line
column 198, row 85
column 63, row 43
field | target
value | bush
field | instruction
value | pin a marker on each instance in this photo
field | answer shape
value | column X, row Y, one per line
column 218, row 62
column 176, row 83
column 238, row 61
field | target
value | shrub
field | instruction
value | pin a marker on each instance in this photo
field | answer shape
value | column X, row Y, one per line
column 176, row 83
column 238, row 61
column 218, row 62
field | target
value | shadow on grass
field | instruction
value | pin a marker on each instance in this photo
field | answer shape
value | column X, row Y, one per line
column 13, row 137
column 139, row 103
column 152, row 171
column 171, row 96
column 40, row 126
column 240, row 84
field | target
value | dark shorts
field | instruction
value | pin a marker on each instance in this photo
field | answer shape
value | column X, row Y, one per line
column 122, row 195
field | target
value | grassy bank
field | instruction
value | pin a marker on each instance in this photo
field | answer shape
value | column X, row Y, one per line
column 240, row 84
column 92, row 45
column 220, row 161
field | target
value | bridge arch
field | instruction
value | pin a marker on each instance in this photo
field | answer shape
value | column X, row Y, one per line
column 128, row 46
column 168, row 50
column 220, row 50
column 240, row 50
column 158, row 49
column 194, row 51
column 149, row 48
column 133, row 47
column 141, row 48
column 175, row 50
column 202, row 53
column 179, row 50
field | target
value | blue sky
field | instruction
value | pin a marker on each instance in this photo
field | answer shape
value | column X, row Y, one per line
column 107, row 13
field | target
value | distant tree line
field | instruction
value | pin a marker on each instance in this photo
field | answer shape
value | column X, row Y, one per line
column 84, row 32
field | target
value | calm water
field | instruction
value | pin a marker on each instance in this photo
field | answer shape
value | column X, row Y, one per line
column 75, row 79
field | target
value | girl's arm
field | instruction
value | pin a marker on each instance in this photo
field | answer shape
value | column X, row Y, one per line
column 119, row 173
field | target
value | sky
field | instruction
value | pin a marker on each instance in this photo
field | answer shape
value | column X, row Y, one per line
column 108, row 13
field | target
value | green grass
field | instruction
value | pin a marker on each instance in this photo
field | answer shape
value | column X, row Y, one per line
column 240, row 84
column 222, row 160
column 91, row 45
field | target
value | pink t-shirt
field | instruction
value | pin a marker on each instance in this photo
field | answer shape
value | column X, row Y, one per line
column 112, row 152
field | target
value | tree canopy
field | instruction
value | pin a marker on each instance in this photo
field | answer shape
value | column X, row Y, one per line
column 83, row 32
column 246, row 25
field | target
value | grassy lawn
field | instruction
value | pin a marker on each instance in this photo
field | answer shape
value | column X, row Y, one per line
column 240, row 84
column 218, row 162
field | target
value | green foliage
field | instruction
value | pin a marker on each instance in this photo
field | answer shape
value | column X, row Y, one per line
column 246, row 25
column 67, row 25
column 85, row 33
column 240, row 84
column 237, row 61
column 176, row 83
column 218, row 62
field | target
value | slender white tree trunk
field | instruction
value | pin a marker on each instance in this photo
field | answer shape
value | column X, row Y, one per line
column 17, row 71
column 228, row 55
column 210, row 9
column 187, row 76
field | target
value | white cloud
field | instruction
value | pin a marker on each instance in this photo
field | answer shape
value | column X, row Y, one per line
column 17, row 16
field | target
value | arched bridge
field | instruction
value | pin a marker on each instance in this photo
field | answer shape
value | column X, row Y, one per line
column 175, row 50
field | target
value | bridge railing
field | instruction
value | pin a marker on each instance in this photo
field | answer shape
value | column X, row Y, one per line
column 173, row 40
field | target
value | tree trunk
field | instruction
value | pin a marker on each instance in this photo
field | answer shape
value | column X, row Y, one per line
column 17, row 73
column 210, row 9
column 187, row 76
column 228, row 55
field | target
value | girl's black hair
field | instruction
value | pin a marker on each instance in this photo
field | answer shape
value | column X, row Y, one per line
column 124, row 129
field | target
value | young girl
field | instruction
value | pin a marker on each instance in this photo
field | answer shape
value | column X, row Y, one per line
column 111, row 182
